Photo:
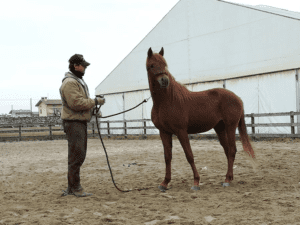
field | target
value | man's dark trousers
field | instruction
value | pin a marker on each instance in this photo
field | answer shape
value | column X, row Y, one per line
column 76, row 132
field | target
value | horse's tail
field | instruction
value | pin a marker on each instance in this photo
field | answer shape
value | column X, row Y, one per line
column 244, row 137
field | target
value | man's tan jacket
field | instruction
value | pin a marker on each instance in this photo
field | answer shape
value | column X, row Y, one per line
column 76, row 101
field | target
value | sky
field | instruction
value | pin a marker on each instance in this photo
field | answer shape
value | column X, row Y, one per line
column 38, row 37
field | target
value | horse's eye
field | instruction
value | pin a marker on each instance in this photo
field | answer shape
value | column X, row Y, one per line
column 152, row 66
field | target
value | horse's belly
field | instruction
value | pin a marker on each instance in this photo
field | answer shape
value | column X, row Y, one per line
column 198, row 125
column 199, row 129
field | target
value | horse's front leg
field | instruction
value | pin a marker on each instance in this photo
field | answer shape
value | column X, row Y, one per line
column 185, row 143
column 166, row 139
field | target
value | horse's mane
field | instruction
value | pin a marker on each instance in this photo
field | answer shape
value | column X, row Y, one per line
column 179, row 90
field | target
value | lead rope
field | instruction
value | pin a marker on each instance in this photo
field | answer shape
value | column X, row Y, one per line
column 97, row 110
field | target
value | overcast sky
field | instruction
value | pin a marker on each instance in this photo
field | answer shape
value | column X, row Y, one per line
column 38, row 37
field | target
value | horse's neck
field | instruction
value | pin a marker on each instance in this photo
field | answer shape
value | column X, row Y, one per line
column 165, row 96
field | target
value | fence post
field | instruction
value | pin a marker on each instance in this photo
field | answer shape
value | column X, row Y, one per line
column 125, row 129
column 93, row 128
column 20, row 137
column 292, row 121
column 108, row 130
column 50, row 130
column 145, row 134
column 253, row 128
column 252, row 123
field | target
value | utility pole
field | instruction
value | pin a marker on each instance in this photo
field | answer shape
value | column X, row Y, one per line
column 31, row 106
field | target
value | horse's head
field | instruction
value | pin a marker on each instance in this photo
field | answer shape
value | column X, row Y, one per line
column 157, row 68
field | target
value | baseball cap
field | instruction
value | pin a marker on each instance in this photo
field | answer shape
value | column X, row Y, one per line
column 79, row 60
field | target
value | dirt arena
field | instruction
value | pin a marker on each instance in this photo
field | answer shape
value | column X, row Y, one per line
column 33, row 175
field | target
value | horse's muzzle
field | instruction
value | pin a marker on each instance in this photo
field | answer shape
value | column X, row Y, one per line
column 163, row 81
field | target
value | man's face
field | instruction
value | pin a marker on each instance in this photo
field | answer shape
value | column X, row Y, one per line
column 79, row 68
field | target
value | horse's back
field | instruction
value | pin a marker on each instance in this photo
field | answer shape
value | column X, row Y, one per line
column 215, row 92
column 214, row 104
column 218, row 93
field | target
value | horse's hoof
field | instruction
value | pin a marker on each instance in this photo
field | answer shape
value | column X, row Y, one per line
column 225, row 184
column 162, row 188
column 195, row 188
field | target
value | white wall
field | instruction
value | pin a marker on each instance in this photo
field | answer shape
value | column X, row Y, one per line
column 298, row 99
column 131, row 100
column 43, row 107
column 113, row 104
column 270, row 93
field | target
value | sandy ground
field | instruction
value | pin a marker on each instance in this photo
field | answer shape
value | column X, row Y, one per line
column 33, row 175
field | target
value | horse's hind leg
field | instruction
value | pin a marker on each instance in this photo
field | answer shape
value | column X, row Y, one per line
column 185, row 143
column 230, row 132
column 166, row 139
column 220, row 130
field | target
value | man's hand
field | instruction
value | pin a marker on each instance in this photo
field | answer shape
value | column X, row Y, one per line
column 101, row 101
column 99, row 114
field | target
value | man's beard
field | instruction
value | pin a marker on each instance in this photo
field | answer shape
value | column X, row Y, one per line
column 77, row 73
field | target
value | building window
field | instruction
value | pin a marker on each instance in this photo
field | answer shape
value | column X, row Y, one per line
column 40, row 111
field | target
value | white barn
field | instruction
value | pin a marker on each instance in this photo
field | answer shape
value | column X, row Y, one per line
column 253, row 51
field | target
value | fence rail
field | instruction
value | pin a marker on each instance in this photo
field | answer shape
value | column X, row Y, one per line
column 292, row 123
column 23, row 128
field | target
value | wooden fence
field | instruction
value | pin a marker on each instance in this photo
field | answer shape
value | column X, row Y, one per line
column 292, row 124
column 22, row 128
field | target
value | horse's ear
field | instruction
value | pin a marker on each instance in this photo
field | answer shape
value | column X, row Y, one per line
column 161, row 51
column 150, row 53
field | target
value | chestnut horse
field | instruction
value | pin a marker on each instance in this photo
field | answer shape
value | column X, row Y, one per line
column 176, row 110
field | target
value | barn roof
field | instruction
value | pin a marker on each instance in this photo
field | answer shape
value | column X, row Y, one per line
column 49, row 102
column 209, row 40
column 270, row 9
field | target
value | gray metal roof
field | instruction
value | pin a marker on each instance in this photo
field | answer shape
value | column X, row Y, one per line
column 270, row 9
column 49, row 102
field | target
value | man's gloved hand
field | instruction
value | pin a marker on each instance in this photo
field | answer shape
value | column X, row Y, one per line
column 99, row 114
column 100, row 101
column 94, row 113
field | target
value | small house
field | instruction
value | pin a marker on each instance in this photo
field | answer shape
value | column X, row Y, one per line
column 49, row 107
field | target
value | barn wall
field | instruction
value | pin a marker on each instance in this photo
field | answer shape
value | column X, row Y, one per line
column 205, row 86
column 147, row 107
column 132, row 99
column 277, row 93
column 269, row 93
column 247, row 89
column 116, row 103
column 113, row 104
column 214, row 40
column 298, row 97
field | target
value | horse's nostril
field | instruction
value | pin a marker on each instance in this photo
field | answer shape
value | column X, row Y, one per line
column 164, row 82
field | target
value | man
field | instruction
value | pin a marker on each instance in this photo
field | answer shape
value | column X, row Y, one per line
column 77, row 109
